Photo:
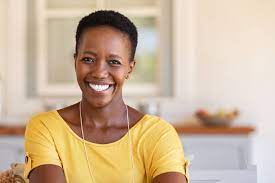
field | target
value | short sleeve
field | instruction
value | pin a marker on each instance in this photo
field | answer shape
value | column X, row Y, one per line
column 168, row 155
column 39, row 146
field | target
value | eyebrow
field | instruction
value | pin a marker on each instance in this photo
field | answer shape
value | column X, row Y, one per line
column 89, row 53
column 112, row 55
column 115, row 56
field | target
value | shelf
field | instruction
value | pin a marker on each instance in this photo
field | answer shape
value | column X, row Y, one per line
column 204, row 130
column 12, row 130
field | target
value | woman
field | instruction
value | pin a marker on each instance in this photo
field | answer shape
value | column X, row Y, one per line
column 101, row 139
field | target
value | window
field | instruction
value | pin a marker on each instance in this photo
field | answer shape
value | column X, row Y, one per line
column 56, row 22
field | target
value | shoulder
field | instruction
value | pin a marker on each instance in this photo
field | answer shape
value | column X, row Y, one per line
column 155, row 123
column 159, row 139
column 45, row 128
column 43, row 117
column 43, row 121
column 153, row 128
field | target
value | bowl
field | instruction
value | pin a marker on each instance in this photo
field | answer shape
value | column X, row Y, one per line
column 215, row 121
column 220, row 118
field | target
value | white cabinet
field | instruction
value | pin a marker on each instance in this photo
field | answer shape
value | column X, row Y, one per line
column 219, row 158
column 11, row 150
column 217, row 151
column 248, row 175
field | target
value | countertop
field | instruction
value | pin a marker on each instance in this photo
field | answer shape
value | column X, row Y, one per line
column 221, row 130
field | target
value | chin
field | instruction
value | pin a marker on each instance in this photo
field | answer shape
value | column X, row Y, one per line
column 98, row 102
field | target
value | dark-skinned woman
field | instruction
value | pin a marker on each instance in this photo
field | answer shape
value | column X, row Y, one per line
column 100, row 139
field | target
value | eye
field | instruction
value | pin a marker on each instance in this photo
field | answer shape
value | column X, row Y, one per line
column 88, row 60
column 114, row 62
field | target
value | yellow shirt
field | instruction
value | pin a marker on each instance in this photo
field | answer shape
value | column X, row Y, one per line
column 156, row 150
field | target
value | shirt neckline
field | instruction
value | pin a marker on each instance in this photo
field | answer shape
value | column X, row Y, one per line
column 125, row 136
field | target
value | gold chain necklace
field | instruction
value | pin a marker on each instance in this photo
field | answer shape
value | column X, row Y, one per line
column 85, row 149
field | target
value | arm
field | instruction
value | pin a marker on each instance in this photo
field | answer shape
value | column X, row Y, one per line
column 47, row 174
column 168, row 163
column 42, row 161
column 170, row 177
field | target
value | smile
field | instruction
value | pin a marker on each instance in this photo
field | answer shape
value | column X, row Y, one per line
column 99, row 88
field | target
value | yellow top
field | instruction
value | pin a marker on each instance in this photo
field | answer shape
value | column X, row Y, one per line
column 156, row 150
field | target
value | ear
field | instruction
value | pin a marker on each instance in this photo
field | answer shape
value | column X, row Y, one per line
column 131, row 68
column 75, row 60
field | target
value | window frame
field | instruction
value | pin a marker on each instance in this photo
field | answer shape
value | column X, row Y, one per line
column 71, row 89
column 17, row 106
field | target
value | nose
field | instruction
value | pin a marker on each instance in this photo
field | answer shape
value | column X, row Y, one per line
column 99, row 70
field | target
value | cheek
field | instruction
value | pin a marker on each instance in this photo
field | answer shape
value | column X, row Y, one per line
column 80, row 68
column 77, row 71
column 120, row 75
column 80, row 72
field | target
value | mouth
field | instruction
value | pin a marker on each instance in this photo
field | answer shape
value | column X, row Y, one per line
column 100, row 87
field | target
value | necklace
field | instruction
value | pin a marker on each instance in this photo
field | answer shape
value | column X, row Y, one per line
column 85, row 149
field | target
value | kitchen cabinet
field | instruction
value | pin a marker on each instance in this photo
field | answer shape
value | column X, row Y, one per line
column 211, row 148
column 11, row 151
column 248, row 175
column 218, row 154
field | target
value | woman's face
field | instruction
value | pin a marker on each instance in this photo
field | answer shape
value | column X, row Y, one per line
column 102, row 64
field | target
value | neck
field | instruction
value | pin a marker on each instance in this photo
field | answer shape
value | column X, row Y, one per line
column 113, row 114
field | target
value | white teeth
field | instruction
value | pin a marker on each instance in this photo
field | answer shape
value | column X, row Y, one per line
column 99, row 87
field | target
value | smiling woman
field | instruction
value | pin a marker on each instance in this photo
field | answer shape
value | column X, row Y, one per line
column 103, row 61
column 100, row 138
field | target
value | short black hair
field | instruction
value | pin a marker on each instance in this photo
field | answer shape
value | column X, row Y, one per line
column 108, row 18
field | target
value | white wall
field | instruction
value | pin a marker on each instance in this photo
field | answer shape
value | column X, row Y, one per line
column 3, row 46
column 235, row 67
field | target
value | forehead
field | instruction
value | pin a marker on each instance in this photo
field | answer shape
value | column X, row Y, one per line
column 104, row 37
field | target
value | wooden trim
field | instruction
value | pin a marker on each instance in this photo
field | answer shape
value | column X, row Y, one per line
column 204, row 130
column 12, row 130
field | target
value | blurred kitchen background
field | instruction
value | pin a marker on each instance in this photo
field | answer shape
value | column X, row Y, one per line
column 192, row 54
